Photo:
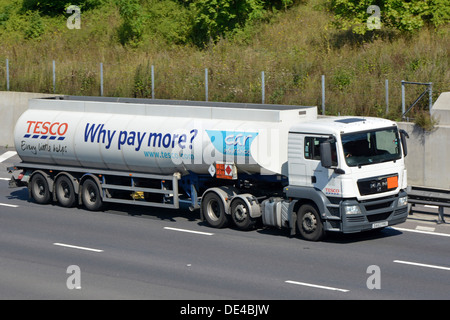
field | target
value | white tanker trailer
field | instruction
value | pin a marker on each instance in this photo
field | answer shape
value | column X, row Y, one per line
column 235, row 162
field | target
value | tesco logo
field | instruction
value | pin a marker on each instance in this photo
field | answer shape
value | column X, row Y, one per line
column 43, row 130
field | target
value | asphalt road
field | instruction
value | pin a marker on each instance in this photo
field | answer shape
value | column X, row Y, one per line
column 50, row 252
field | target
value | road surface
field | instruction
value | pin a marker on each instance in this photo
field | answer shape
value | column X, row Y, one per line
column 51, row 252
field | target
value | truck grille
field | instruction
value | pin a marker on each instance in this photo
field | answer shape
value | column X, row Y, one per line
column 378, row 206
column 378, row 184
column 378, row 217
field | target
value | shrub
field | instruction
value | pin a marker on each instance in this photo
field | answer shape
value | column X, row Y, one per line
column 405, row 16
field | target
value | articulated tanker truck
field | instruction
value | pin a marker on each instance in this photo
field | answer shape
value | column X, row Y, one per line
column 237, row 163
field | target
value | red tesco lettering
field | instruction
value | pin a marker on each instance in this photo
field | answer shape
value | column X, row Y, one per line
column 53, row 128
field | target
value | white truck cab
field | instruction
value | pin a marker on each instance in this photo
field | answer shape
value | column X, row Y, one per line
column 351, row 170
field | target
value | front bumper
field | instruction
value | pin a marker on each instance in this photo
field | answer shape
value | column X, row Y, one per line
column 374, row 214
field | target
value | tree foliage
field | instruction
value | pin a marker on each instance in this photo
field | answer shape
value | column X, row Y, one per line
column 177, row 21
column 58, row 7
column 217, row 18
column 407, row 16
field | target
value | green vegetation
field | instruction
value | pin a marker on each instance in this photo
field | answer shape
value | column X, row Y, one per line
column 294, row 42
column 400, row 15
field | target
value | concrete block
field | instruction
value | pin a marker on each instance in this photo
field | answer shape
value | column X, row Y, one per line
column 441, row 109
column 12, row 105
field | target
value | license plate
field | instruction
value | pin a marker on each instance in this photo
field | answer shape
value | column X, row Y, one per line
column 379, row 224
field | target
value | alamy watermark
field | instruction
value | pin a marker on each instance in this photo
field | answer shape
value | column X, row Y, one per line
column 74, row 21
column 374, row 280
column 374, row 21
column 74, row 280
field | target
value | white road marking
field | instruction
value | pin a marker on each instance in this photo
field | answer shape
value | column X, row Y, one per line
column 423, row 228
column 316, row 286
column 422, row 265
column 8, row 205
column 431, row 206
column 420, row 231
column 6, row 155
column 189, row 231
column 76, row 247
column 5, row 179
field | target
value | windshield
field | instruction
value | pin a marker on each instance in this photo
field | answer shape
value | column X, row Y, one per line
column 367, row 147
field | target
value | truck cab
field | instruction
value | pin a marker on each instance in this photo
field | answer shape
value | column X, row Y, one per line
column 351, row 171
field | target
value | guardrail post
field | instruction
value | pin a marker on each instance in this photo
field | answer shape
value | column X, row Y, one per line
column 441, row 215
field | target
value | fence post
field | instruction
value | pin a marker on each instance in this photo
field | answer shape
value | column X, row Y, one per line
column 54, row 77
column 430, row 96
column 263, row 88
column 101, row 79
column 206, row 84
column 403, row 98
column 7, row 75
column 386, row 84
column 323, row 94
column 153, row 82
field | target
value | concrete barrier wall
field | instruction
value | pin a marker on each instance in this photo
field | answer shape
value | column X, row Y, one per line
column 12, row 105
column 428, row 160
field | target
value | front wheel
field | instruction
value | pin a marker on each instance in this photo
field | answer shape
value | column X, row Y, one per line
column 309, row 224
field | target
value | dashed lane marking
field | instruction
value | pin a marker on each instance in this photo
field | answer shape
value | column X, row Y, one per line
column 7, row 155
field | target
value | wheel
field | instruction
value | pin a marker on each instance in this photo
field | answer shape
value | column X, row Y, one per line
column 214, row 211
column 90, row 195
column 309, row 224
column 240, row 214
column 39, row 189
column 65, row 193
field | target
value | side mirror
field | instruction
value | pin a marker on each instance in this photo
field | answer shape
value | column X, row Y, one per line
column 325, row 154
column 404, row 135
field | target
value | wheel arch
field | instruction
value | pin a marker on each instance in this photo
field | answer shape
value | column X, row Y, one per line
column 225, row 193
column 251, row 202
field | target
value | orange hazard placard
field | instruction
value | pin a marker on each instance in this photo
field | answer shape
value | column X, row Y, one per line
column 224, row 171
column 392, row 182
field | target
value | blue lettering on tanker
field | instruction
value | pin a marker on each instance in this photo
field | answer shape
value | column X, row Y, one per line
column 98, row 133
column 232, row 142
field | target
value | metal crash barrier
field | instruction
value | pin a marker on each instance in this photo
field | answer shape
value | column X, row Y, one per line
column 428, row 196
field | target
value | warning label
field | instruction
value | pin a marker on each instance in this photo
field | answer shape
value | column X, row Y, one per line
column 225, row 171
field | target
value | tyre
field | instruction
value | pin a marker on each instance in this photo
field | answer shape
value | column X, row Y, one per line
column 39, row 189
column 240, row 213
column 90, row 195
column 309, row 224
column 64, row 191
column 214, row 210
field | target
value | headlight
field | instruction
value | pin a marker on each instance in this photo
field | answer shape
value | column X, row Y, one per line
column 403, row 201
column 352, row 210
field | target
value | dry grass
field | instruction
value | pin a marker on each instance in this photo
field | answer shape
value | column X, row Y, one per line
column 294, row 49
